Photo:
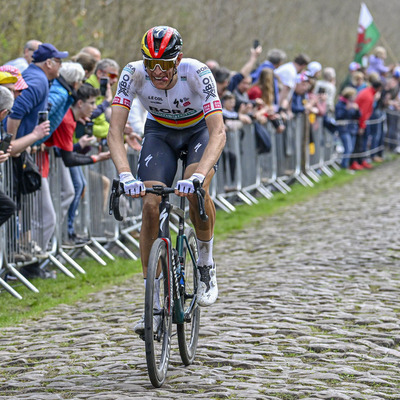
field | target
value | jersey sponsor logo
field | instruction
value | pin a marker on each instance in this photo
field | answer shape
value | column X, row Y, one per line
column 127, row 102
column 207, row 108
column 185, row 102
column 124, row 85
column 183, row 78
column 203, row 71
column 173, row 113
column 129, row 69
column 117, row 100
column 217, row 104
column 209, row 88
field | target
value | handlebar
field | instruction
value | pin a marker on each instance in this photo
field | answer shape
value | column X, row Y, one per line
column 117, row 190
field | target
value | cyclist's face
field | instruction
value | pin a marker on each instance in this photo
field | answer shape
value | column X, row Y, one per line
column 164, row 79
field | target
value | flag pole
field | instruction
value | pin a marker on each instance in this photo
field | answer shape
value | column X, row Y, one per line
column 389, row 49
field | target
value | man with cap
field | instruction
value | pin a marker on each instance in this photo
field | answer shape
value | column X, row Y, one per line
column 23, row 62
column 22, row 124
column 20, row 84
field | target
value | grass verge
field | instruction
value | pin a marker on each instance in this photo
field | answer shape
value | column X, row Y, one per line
column 65, row 290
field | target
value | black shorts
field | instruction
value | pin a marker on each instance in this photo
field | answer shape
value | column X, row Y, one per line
column 161, row 147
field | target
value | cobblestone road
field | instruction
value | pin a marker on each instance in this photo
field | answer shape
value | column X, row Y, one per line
column 309, row 308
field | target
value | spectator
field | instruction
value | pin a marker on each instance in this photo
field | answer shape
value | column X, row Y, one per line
column 347, row 110
column 263, row 92
column 106, row 68
column 376, row 63
column 358, row 81
column 392, row 103
column 93, row 51
column 8, row 81
column 222, row 76
column 328, row 85
column 213, row 65
column 23, row 62
column 314, row 69
column 7, row 206
column 287, row 73
column 23, row 120
column 245, row 71
column 353, row 67
column 87, row 61
column 275, row 58
column 20, row 84
column 62, row 138
column 365, row 100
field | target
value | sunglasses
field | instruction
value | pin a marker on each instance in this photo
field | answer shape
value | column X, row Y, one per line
column 111, row 75
column 165, row 65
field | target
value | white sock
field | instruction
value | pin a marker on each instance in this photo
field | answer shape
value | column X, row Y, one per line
column 205, row 252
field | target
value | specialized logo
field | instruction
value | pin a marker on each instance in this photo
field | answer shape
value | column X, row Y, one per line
column 124, row 85
column 209, row 88
column 163, row 217
column 147, row 159
column 197, row 147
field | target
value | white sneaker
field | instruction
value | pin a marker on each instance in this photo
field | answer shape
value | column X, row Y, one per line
column 139, row 327
column 207, row 292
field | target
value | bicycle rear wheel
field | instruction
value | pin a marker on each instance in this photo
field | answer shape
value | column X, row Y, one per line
column 188, row 332
column 158, row 313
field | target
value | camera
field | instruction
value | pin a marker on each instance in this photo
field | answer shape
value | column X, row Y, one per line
column 103, row 86
column 5, row 143
column 42, row 116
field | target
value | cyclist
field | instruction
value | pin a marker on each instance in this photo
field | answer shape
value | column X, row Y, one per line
column 184, row 112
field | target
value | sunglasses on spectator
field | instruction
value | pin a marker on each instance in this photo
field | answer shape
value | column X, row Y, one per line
column 165, row 65
column 111, row 75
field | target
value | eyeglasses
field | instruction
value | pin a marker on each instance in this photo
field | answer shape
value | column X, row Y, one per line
column 56, row 60
column 165, row 65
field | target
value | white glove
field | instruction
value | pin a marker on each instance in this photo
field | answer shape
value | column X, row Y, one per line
column 132, row 186
column 186, row 185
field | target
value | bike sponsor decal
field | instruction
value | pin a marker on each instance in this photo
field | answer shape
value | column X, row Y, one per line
column 124, row 85
column 209, row 88
column 163, row 217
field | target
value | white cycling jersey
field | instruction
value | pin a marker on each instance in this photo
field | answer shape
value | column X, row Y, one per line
column 193, row 97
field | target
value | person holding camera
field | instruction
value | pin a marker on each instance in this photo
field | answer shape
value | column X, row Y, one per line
column 62, row 138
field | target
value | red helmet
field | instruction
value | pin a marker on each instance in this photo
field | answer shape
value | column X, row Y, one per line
column 161, row 42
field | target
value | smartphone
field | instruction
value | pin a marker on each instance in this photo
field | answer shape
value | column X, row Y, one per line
column 103, row 86
column 5, row 143
column 89, row 128
column 256, row 43
column 43, row 116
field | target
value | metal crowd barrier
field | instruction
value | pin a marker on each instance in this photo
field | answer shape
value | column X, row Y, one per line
column 243, row 175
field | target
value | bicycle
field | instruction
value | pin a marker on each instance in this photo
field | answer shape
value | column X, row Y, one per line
column 171, row 285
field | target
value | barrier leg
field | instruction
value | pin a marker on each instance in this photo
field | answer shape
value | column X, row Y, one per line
column 73, row 263
column 93, row 254
column 21, row 278
column 63, row 269
column 102, row 249
column 126, row 250
column 10, row 289
column 226, row 202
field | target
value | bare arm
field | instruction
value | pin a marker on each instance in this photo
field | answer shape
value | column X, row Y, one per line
column 20, row 144
column 115, row 138
column 12, row 126
column 249, row 66
column 213, row 150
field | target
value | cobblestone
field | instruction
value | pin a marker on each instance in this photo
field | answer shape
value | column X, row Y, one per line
column 308, row 309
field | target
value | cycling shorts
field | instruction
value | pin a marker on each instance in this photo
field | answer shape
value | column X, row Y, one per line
column 161, row 147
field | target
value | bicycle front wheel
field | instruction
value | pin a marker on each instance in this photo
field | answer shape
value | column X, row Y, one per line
column 188, row 332
column 158, row 312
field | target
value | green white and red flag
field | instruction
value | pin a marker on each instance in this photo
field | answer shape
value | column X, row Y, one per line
column 368, row 34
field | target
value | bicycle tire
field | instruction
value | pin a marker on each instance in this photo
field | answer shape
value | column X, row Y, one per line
column 158, row 345
column 188, row 332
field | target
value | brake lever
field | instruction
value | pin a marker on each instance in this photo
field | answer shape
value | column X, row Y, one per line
column 200, row 193
column 116, row 191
